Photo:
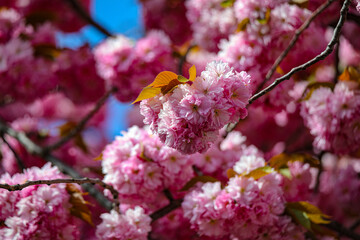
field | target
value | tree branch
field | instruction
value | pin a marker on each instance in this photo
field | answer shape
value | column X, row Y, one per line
column 76, row 6
column 81, row 125
column 298, row 32
column 334, row 40
column 167, row 209
column 113, row 191
column 183, row 59
column 35, row 149
column 354, row 18
column 19, row 161
column 342, row 231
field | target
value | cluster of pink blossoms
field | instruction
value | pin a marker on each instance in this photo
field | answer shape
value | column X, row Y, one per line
column 168, row 16
column 38, row 211
column 268, row 30
column 129, row 66
column 333, row 118
column 140, row 167
column 224, row 154
column 31, row 60
column 189, row 118
column 73, row 153
column 134, row 224
column 57, row 11
column 244, row 209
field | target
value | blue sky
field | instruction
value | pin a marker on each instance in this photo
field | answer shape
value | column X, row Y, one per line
column 118, row 16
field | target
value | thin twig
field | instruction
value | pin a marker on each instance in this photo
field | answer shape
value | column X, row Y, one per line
column 35, row 149
column 354, row 18
column 337, row 61
column 321, row 56
column 113, row 191
column 76, row 6
column 167, row 209
column 19, row 161
column 320, row 169
column 298, row 32
column 81, row 125
column 183, row 59
column 342, row 231
column 330, row 47
column 355, row 225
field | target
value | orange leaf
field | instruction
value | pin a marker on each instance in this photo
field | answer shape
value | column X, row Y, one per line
column 79, row 206
column 231, row 173
column 350, row 74
column 163, row 79
column 169, row 87
column 192, row 73
column 146, row 93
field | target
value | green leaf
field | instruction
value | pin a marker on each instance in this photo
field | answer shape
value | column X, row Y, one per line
column 304, row 207
column 281, row 160
column 300, row 217
column 147, row 93
column 308, row 216
column 313, row 86
column 259, row 172
column 197, row 179
column 285, row 172
column 242, row 25
column 182, row 79
column 227, row 3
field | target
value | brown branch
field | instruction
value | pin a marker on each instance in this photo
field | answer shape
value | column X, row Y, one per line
column 354, row 18
column 76, row 6
column 330, row 47
column 337, row 61
column 35, row 149
column 113, row 191
column 183, row 59
column 320, row 170
column 342, row 231
column 355, row 225
column 167, row 209
column 81, row 125
column 19, row 161
column 298, row 32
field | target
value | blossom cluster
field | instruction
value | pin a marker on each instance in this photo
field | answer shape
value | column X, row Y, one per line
column 38, row 211
column 168, row 16
column 129, row 66
column 218, row 159
column 140, row 167
column 244, row 209
column 31, row 60
column 74, row 153
column 189, row 118
column 333, row 118
column 134, row 224
column 339, row 188
column 57, row 11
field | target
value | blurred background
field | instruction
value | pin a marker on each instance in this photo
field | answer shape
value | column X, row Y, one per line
column 119, row 17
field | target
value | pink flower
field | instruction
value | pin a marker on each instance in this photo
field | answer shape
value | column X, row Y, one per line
column 134, row 224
